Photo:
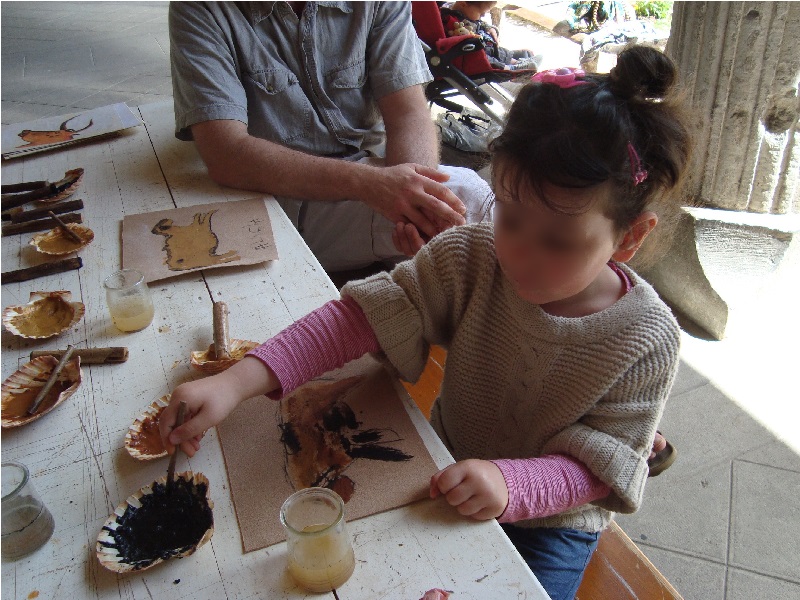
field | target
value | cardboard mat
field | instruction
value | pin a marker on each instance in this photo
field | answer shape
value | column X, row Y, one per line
column 166, row 243
column 349, row 432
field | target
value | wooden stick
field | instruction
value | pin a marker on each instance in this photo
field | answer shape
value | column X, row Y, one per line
column 13, row 188
column 39, row 224
column 48, row 268
column 171, row 468
column 221, row 340
column 67, row 231
column 51, row 380
column 38, row 190
column 38, row 213
column 13, row 200
column 90, row 356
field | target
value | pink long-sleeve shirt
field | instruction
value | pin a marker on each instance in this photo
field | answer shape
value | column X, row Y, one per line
column 339, row 332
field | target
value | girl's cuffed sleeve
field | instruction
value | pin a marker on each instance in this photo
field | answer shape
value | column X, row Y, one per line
column 548, row 485
column 324, row 339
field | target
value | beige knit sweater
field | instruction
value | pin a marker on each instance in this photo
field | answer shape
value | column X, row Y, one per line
column 520, row 383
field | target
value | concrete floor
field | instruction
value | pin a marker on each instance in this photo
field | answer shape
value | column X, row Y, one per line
column 724, row 522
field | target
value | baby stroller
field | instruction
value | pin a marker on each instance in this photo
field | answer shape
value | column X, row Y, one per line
column 460, row 66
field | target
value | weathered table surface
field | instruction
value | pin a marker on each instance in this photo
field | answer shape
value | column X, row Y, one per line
column 76, row 453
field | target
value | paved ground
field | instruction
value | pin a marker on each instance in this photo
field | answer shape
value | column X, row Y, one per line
column 724, row 522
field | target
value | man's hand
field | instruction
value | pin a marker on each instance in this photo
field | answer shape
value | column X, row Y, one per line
column 412, row 193
column 475, row 487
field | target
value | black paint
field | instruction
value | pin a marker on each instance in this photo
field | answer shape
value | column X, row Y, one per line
column 167, row 524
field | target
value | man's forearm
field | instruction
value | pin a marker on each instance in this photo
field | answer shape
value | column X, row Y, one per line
column 416, row 141
column 409, row 193
column 236, row 159
column 410, row 131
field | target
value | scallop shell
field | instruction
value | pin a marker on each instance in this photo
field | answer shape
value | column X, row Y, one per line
column 68, row 191
column 125, row 544
column 56, row 243
column 46, row 315
column 21, row 388
column 143, row 440
column 206, row 361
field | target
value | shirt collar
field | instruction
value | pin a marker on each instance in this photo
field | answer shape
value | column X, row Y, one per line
column 259, row 11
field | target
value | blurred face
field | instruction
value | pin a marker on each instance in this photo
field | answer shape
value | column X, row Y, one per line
column 549, row 256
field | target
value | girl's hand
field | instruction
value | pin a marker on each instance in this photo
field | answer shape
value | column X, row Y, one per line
column 208, row 402
column 407, row 239
column 475, row 487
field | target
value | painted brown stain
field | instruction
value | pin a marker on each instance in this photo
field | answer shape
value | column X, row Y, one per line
column 148, row 439
column 322, row 437
column 62, row 134
column 15, row 406
column 192, row 246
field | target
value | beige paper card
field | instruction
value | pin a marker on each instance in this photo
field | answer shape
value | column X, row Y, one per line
column 171, row 242
column 350, row 434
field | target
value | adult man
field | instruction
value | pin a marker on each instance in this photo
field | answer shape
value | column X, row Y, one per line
column 297, row 100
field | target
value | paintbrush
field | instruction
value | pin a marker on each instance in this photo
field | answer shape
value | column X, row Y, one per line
column 65, row 228
column 51, row 380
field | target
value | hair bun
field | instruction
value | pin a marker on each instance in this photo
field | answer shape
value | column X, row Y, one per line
column 642, row 73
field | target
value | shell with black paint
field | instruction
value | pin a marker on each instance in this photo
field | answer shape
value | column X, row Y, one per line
column 154, row 525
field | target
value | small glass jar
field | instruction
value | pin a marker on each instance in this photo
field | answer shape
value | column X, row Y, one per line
column 129, row 300
column 26, row 522
column 320, row 551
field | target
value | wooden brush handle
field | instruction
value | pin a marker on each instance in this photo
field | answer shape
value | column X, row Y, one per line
column 90, row 356
column 39, row 224
column 48, row 268
column 221, row 339
column 39, row 213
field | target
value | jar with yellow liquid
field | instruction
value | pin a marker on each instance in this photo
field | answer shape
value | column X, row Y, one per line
column 129, row 300
column 320, row 551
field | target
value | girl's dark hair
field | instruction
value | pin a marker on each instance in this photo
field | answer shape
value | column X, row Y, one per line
column 578, row 137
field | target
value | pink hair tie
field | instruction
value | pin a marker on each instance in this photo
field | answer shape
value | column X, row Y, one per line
column 637, row 172
column 564, row 77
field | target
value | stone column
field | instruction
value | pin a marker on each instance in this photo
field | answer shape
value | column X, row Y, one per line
column 741, row 64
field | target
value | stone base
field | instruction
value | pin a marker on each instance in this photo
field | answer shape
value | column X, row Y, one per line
column 721, row 262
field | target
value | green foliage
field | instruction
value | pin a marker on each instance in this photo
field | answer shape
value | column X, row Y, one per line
column 657, row 9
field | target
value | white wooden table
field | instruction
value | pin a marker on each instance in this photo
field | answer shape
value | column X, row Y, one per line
column 76, row 453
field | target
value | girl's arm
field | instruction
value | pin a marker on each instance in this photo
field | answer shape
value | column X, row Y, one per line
column 540, row 487
column 513, row 490
column 325, row 339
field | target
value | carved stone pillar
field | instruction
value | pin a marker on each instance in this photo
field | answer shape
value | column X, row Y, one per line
column 741, row 64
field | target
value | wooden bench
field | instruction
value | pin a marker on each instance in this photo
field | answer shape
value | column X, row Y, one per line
column 619, row 570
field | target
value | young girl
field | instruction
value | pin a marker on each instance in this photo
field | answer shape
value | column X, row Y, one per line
column 560, row 357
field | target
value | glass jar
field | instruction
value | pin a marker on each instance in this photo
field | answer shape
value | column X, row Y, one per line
column 320, row 551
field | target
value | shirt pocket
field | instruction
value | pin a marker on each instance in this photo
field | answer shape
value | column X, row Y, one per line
column 277, row 107
column 348, row 89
